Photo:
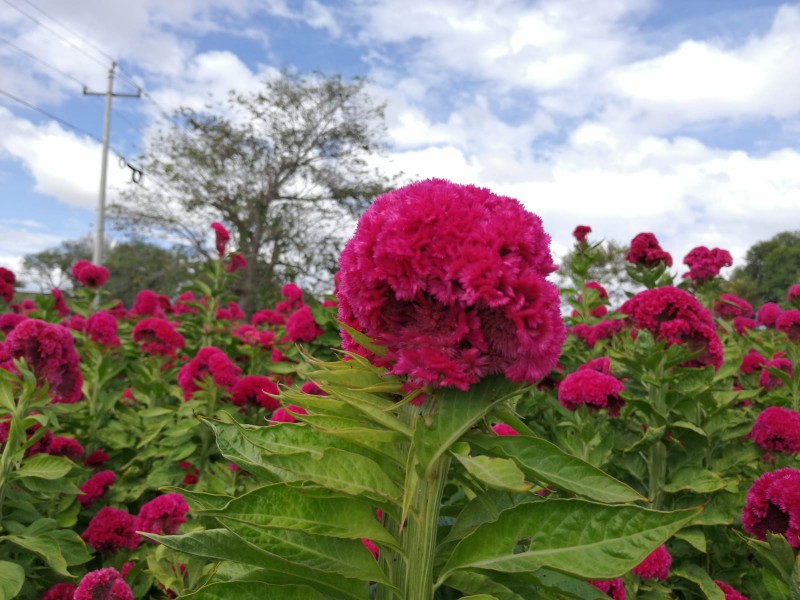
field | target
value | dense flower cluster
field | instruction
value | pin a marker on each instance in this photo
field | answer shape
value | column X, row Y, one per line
column 793, row 295
column 210, row 361
column 742, row 325
column 89, row 275
column 591, row 334
column 730, row 593
column 773, row 506
column 162, row 515
column 96, row 486
column 7, row 281
column 729, row 306
column 252, row 336
column 778, row 429
column 112, row 530
column 157, row 336
column 705, row 264
column 768, row 380
column 221, row 237
column 450, row 279
column 232, row 312
column 256, row 390
column 647, row 252
column 752, row 361
column 60, row 591
column 593, row 388
column 236, row 261
column 612, row 587
column 768, row 314
column 676, row 317
column 97, row 459
column 580, row 233
column 656, row 565
column 59, row 303
column 103, row 584
column 789, row 323
column 65, row 446
column 102, row 328
column 147, row 304
column 301, row 326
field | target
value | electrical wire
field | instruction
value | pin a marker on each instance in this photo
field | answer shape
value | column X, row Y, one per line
column 39, row 60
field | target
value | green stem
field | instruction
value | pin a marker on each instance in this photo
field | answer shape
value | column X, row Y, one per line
column 657, row 457
column 11, row 450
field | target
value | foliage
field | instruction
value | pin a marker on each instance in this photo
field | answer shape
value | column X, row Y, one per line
column 771, row 267
column 607, row 267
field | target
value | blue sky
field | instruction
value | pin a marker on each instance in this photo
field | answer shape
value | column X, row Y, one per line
column 677, row 117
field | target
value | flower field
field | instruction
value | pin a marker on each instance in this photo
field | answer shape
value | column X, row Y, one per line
column 438, row 428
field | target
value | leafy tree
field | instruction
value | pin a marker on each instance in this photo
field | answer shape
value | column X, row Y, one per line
column 772, row 266
column 286, row 169
column 608, row 268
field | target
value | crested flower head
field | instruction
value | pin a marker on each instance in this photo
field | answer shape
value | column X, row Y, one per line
column 773, row 506
column 89, row 275
column 768, row 380
column 594, row 389
column 209, row 361
column 255, row 390
column 580, row 233
column 647, row 252
column 7, row 281
column 789, row 323
column 615, row 588
column 147, row 304
column 742, row 325
column 301, row 326
column 730, row 593
column 793, row 295
column 451, row 280
column 60, row 591
column 656, row 565
column 729, row 306
column 777, row 429
column 103, row 584
column 752, row 361
column 221, row 237
column 96, row 486
column 237, row 261
column 111, row 530
column 768, row 314
column 101, row 328
column 705, row 264
column 157, row 336
column 162, row 515
column 59, row 303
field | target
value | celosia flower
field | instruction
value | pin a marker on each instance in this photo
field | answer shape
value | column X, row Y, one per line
column 183, row 304
column 789, row 323
column 705, row 264
column 656, row 565
column 7, row 281
column 112, row 530
column 97, row 459
column 768, row 314
column 24, row 307
column 594, row 389
column 647, row 252
column 60, row 304
column 675, row 316
column 778, row 429
column 103, row 584
column 210, row 361
column 233, row 312
column 373, row 549
column 64, row 446
column 192, row 475
column 793, row 295
column 128, row 398
column 291, row 292
column 41, row 445
column 301, row 326
column 451, row 280
column 158, row 336
column 89, row 275
column 730, row 593
column 119, row 310
column 591, row 334
column 147, row 304
column 742, row 325
column 614, row 588
column 729, row 306
column 268, row 316
column 503, row 429
column 6, row 361
column 277, row 356
column 237, row 261
column 10, row 320
column 162, row 515
column 222, row 237
column 95, row 487
column 601, row 364
column 767, row 380
column 253, row 337
column 101, row 328
column 60, row 591
column 773, row 506
column 752, row 361
column 580, row 233
column 50, row 352
column 255, row 389
column 75, row 323
column 284, row 415
column 311, row 388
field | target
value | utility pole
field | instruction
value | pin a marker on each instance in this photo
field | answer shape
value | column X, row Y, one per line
column 99, row 235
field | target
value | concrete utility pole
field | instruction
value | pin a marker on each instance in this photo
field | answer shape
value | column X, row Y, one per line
column 99, row 235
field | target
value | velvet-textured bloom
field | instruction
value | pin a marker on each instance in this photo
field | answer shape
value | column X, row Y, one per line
column 50, row 352
column 253, row 336
column 647, row 252
column 255, row 390
column 97, row 459
column 768, row 380
column 580, row 233
column 60, row 591
column 773, row 506
column 10, row 320
column 89, row 275
column 232, row 312
column 284, row 415
column 112, row 530
column 504, row 429
column 656, row 565
column 728, row 306
column 236, row 261
column 102, row 328
column 594, row 389
column 705, row 264
column 158, row 336
column 615, row 588
column 211, row 362
column 268, row 317
column 96, row 486
column 65, row 446
column 451, row 280
column 793, row 295
column 591, row 334
column 163, row 514
column 221, row 237
column 59, row 303
column 730, row 592
column 7, row 281
column 752, row 362
column 103, row 584
column 301, row 326
column 789, row 323
column 742, row 325
column 777, row 429
column 768, row 314
column 292, row 292
column 147, row 304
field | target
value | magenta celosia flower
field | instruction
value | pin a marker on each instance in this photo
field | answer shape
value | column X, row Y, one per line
column 594, row 389
column 656, row 565
column 97, row 459
column 503, row 429
column 311, row 388
column 210, row 361
column 591, row 334
column 162, row 515
column 768, row 314
column 277, row 356
column 752, row 361
column 677, row 317
column 96, row 486
column 742, row 325
column 373, row 549
column 730, row 593
column 729, row 306
column 50, row 352
column 112, row 530
column 233, row 312
column 647, row 252
column 222, row 237
column 301, row 326
column 253, row 336
column 255, row 389
column 292, row 292
column 601, row 364
column 147, row 304
column 158, row 336
column 6, row 360
column 103, row 584
column 789, row 323
column 10, row 320
column 101, row 328
column 237, row 261
column 451, row 280
column 773, row 506
column 284, row 415
column 75, row 323
column 60, row 591
column 777, row 429
column 268, row 316
column 793, row 295
column 119, row 310
column 705, row 264
column 183, row 305
column 767, row 380
column 7, row 281
column 60, row 305
column 89, row 275
column 41, row 445
column 128, row 398
column 614, row 588
column 64, row 446
column 580, row 233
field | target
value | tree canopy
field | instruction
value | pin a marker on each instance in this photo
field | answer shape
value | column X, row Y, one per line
column 772, row 266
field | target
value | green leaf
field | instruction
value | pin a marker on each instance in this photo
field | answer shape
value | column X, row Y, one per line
column 12, row 576
column 696, row 480
column 695, row 537
column 582, row 538
column 199, row 501
column 363, row 340
column 547, row 463
column 45, row 548
column 254, row 590
column 700, row 578
column 480, row 597
column 499, row 473
column 71, row 546
column 44, row 466
column 471, row 582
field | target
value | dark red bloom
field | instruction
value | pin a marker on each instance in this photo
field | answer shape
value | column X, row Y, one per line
column 192, row 475
column 268, row 316
column 768, row 314
column 255, row 389
column 705, row 264
column 96, row 486
column 373, row 549
column 60, row 591
column 656, row 565
column 591, row 334
column 10, row 320
column 742, row 325
column 101, row 328
column 75, row 323
column 614, row 588
column 237, row 261
column 503, row 429
column 580, row 233
column 162, row 515
column 767, row 380
column 183, row 305
column 103, row 584
column 773, row 506
column 233, row 312
column 594, row 389
column 147, row 304
column 730, row 593
column 451, row 280
column 676, row 317
column 112, row 530
column 89, row 275
column 301, row 326
column 777, row 429
column 311, row 388
column 752, row 361
column 254, row 337
column 284, row 415
column 50, row 351
column 60, row 306
column 729, row 306
column 158, row 336
column 291, row 292
column 222, row 237
column 793, row 295
column 97, row 459
column 210, row 361
column 119, row 310
column 789, row 323
column 647, row 252
column 64, row 446
column 7, row 281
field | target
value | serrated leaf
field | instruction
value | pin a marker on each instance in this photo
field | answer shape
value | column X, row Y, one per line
column 498, row 473
column 44, row 466
column 12, row 576
column 363, row 340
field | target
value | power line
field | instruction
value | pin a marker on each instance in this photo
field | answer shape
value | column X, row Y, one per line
column 39, row 60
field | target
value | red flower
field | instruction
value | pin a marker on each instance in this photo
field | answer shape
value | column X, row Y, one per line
column 793, row 295
column 730, row 593
column 451, row 279
column 232, row 313
column 613, row 587
column 50, row 351
column 75, row 323
column 183, row 304
column 101, row 328
column 112, row 530
column 192, row 475
column 742, row 325
column 162, row 515
column 89, row 275
column 253, row 337
column 10, row 320
column 777, row 429
column 60, row 305
column 158, row 336
column 311, row 388
column 96, row 486
column 255, row 389
column 773, row 506
column 591, row 334
column 601, row 364
column 752, row 361
column 237, row 261
column 222, row 237
column 503, row 429
column 580, row 233
column 647, row 252
column 729, row 306
column 60, row 591
column 705, row 264
column 301, row 326
column 656, row 565
column 767, row 380
column 7, row 281
column 147, row 304
column 373, row 549
column 592, row 388
column 97, row 459
column 291, row 292
column 64, row 446
column 103, row 584
column 210, row 361
column 768, row 314
column 270, row 317
column 284, row 415
column 789, row 323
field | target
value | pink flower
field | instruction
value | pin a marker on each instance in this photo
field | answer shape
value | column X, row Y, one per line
column 752, row 361
column 253, row 337
column 777, row 429
column 647, row 252
column 730, row 593
column 580, row 233
column 60, row 591
column 237, row 261
column 60, row 305
column 89, row 275
column 767, row 380
column 301, row 326
column 222, row 237
column 311, row 388
column 101, row 328
column 656, row 565
column 95, row 487
column 601, row 364
column 10, row 320
column 255, row 389
column 158, row 336
column 75, row 323
column 162, row 515
column 270, row 317
column 7, row 281
column 210, row 361
column 147, row 304
column 677, row 317
column 451, row 280
column 232, row 313
column 705, row 264
column 97, row 459
column 284, row 415
column 292, row 293
column 773, row 506
column 729, row 306
column 103, row 584
column 64, row 446
column 614, row 588
column 50, row 352
column 112, row 530
column 793, row 295
column 742, row 325
column 370, row 545
column 591, row 334
column 594, row 389
column 789, row 323
column 183, row 304
column 768, row 314
column 503, row 429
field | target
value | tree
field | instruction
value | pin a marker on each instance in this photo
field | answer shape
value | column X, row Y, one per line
column 608, row 269
column 286, row 169
column 772, row 266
